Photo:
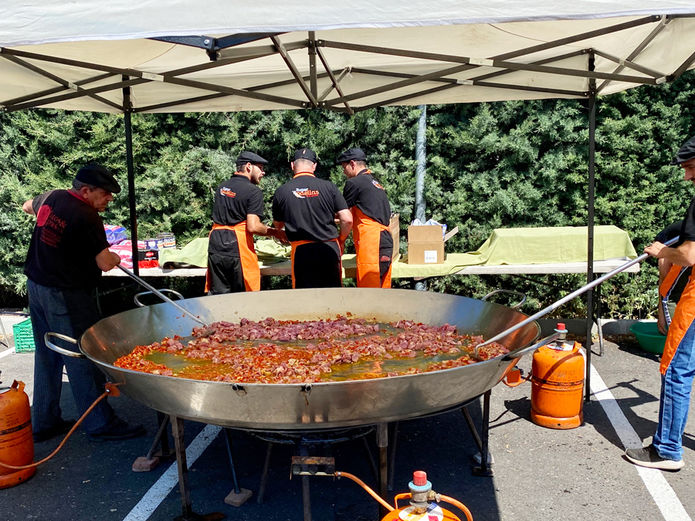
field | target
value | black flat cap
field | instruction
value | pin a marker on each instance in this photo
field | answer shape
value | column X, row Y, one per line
column 306, row 153
column 250, row 157
column 352, row 154
column 99, row 176
column 686, row 152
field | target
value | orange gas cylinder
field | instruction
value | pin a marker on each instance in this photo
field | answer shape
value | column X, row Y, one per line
column 16, row 443
column 434, row 513
column 558, row 384
column 421, row 507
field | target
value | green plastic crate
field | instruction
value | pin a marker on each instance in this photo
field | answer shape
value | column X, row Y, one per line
column 23, row 336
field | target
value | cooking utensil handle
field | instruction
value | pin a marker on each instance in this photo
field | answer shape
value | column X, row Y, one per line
column 160, row 294
column 141, row 305
column 61, row 350
column 511, row 292
column 521, row 352
column 569, row 297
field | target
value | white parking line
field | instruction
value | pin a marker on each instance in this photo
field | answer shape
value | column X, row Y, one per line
column 159, row 491
column 6, row 352
column 665, row 498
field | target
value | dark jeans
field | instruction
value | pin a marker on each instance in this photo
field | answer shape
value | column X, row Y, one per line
column 69, row 312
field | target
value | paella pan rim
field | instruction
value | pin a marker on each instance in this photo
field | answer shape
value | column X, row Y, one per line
column 307, row 405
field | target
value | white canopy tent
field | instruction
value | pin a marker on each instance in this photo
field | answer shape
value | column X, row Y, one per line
column 223, row 56
column 182, row 55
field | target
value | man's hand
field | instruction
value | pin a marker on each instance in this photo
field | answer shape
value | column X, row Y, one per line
column 654, row 249
column 27, row 207
column 107, row 260
column 661, row 319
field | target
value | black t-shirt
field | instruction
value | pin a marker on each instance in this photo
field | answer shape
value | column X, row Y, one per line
column 369, row 196
column 688, row 227
column 671, row 231
column 68, row 235
column 235, row 199
column 307, row 205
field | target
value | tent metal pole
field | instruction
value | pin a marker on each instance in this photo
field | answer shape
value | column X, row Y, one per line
column 313, row 85
column 590, row 227
column 127, row 108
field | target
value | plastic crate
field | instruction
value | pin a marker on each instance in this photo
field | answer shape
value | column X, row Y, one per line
column 23, row 336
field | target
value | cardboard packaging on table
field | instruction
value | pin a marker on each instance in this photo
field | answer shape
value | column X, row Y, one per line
column 395, row 229
column 426, row 244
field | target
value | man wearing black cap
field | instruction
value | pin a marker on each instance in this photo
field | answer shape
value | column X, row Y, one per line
column 307, row 208
column 236, row 214
column 67, row 253
column 678, row 361
column 371, row 214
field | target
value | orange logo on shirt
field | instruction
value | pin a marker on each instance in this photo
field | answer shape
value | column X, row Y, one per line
column 302, row 193
column 377, row 185
column 227, row 192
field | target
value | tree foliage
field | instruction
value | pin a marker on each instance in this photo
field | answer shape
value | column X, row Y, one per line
column 489, row 165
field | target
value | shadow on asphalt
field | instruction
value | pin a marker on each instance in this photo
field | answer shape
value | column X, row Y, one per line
column 94, row 480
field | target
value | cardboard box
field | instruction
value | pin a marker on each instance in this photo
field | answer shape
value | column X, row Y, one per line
column 395, row 228
column 426, row 244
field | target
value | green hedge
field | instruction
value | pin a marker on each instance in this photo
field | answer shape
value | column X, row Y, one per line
column 489, row 165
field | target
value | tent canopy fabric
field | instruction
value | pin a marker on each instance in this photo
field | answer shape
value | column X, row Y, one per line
column 222, row 56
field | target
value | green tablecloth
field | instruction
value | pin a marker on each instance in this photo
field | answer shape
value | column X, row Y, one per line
column 195, row 253
column 556, row 245
column 552, row 245
column 504, row 246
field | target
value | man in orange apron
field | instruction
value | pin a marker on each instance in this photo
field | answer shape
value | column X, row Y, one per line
column 371, row 214
column 236, row 214
column 678, row 361
column 306, row 207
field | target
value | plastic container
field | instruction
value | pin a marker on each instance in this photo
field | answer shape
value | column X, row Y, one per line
column 23, row 336
column 648, row 336
column 167, row 240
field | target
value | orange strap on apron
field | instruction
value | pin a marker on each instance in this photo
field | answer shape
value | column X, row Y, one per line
column 669, row 280
column 251, row 272
column 682, row 320
column 295, row 244
column 366, row 233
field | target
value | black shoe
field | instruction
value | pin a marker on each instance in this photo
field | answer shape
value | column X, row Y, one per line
column 59, row 428
column 649, row 457
column 116, row 430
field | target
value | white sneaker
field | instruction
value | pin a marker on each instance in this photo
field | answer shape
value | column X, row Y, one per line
column 649, row 457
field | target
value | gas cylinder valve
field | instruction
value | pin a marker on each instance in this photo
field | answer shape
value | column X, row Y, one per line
column 420, row 489
column 561, row 344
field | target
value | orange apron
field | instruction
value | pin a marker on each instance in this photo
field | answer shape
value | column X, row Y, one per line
column 366, row 233
column 295, row 244
column 250, row 270
column 682, row 319
column 670, row 280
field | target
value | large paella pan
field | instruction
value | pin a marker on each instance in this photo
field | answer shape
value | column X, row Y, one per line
column 323, row 405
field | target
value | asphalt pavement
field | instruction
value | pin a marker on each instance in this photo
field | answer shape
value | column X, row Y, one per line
column 538, row 473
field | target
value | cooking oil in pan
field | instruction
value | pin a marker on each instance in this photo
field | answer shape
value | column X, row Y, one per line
column 184, row 367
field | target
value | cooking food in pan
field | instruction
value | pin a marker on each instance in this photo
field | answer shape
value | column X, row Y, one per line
column 293, row 351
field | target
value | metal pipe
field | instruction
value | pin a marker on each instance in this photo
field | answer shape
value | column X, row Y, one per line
column 160, row 294
column 569, row 297
column 421, row 170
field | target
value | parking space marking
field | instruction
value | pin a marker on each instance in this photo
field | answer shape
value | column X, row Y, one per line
column 159, row 491
column 664, row 496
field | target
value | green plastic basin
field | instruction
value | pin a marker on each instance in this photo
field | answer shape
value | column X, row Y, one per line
column 648, row 336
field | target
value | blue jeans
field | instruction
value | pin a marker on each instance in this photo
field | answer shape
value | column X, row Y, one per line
column 69, row 312
column 676, row 385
